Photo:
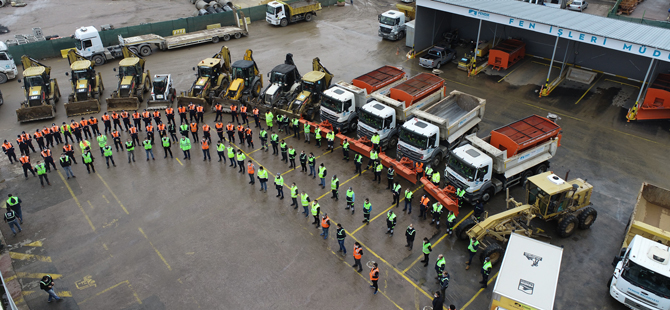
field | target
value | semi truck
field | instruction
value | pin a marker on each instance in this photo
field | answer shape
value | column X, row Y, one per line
column 281, row 13
column 89, row 44
column 437, row 128
column 387, row 112
column 341, row 102
column 641, row 279
column 392, row 25
column 8, row 70
column 507, row 157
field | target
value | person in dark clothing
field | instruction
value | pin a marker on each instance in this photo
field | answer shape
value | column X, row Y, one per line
column 47, row 284
column 479, row 209
column 438, row 301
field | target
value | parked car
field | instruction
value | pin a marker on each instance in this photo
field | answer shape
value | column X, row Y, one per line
column 578, row 5
column 437, row 56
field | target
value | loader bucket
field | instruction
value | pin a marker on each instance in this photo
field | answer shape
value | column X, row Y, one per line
column 446, row 196
column 158, row 104
column 26, row 114
column 74, row 108
column 404, row 167
column 120, row 104
column 184, row 101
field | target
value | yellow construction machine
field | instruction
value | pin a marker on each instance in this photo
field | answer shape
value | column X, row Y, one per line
column 246, row 83
column 212, row 79
column 133, row 83
column 41, row 91
column 86, row 86
column 308, row 101
column 548, row 197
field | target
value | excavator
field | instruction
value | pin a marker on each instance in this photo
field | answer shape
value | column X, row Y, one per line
column 247, row 81
column 86, row 86
column 41, row 91
column 284, row 84
column 307, row 103
column 133, row 83
column 212, row 78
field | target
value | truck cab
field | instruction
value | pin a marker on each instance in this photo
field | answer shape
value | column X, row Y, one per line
column 87, row 42
column 276, row 12
column 420, row 141
column 339, row 105
column 375, row 117
column 392, row 25
column 471, row 169
column 8, row 68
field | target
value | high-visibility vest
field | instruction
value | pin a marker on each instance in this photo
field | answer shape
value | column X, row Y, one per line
column 294, row 191
column 263, row 134
column 243, row 109
column 102, row 140
column 231, row 152
column 367, row 207
column 263, row 174
column 185, row 144
column 374, row 274
column 440, row 263
column 166, row 141
column 133, row 130
column 322, row 171
column 419, row 167
column 204, row 144
column 88, row 158
column 218, row 107
column 350, row 195
column 291, row 153
column 136, row 116
column 161, row 127
column 169, row 111
column 83, row 123
column 241, row 156
column 426, row 247
column 345, row 145
column 219, row 127
column 408, row 194
column 130, row 146
column 230, row 127
column 282, row 145
column 357, row 252
column 84, row 144
column 375, row 139
column 451, row 217
column 24, row 159
column 37, row 134
column 306, row 128
column 487, row 267
column 317, row 133
column 436, row 177
column 181, row 109
column 233, row 108
column 460, row 192
column 205, row 127
column 105, row 118
column 315, row 209
column 46, row 153
column 147, row 144
column 65, row 128
column 296, row 122
column 425, row 201
column 429, row 171
column 10, row 215
column 274, row 137
column 46, row 131
column 256, row 111
column 279, row 180
column 311, row 160
column 390, row 173
column 194, row 127
column 324, row 222
column 333, row 183
column 191, row 107
column 396, row 188
column 115, row 134
column 390, row 216
column 268, row 118
column 330, row 136
column 107, row 150
column 183, row 127
column 379, row 168
column 250, row 168
column 473, row 246
column 12, row 201
column 200, row 109
column 93, row 121
column 115, row 116
column 54, row 129
column 67, row 148
column 304, row 199
column 358, row 158
column 146, row 114
column 437, row 207
column 220, row 147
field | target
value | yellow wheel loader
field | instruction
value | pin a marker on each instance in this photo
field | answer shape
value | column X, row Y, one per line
column 133, row 83
column 548, row 197
column 212, row 79
column 41, row 91
column 86, row 86
column 246, row 82
column 307, row 102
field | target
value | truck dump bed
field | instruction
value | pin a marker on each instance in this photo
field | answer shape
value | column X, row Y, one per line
column 506, row 54
column 378, row 79
column 651, row 216
column 455, row 114
column 305, row 6
column 524, row 134
column 416, row 88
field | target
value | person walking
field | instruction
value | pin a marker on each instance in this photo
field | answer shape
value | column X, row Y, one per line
column 148, row 148
column 39, row 139
column 167, row 147
column 374, row 277
column 408, row 200
column 325, row 225
column 291, row 157
column 204, row 144
column 472, row 250
column 322, row 175
column 316, row 208
column 439, row 266
column 25, row 163
column 486, row 270
column 307, row 130
column 262, row 177
column 240, row 160
column 351, row 197
column 334, row 187
column 427, row 248
column 294, row 195
column 42, row 173
column 345, row 150
column 396, row 194
column 358, row 161
column 14, row 203
column 341, row 234
column 11, row 220
column 231, row 155
column 130, row 149
column 423, row 207
column 279, row 184
column 250, row 171
column 304, row 200
column 8, row 149
column 108, row 156
column 358, row 254
column 47, row 284
column 367, row 207
column 88, row 159
column 437, row 213
column 284, row 150
column 274, row 140
column 66, row 163
column 185, row 146
column 303, row 161
column 390, row 222
column 311, row 161
column 410, row 233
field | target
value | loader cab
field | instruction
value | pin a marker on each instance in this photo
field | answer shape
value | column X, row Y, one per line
column 36, row 84
column 160, row 84
column 284, row 76
column 209, row 67
column 83, row 78
column 553, row 196
column 244, row 70
column 130, row 73
column 314, row 82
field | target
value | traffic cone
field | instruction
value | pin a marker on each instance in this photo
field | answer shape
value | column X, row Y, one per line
column 397, row 51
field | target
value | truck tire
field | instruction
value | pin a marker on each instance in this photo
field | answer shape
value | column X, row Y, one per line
column 473, row 130
column 566, row 227
column 226, row 37
column 524, row 176
column 145, row 50
column 140, row 95
column 308, row 17
column 439, row 64
column 462, row 230
column 494, row 252
column 283, row 22
column 353, row 126
column 436, row 161
column 3, row 78
column 215, row 39
column 401, row 35
column 392, row 142
column 587, row 218
column 238, row 35
column 256, row 89
column 98, row 60
column 487, row 195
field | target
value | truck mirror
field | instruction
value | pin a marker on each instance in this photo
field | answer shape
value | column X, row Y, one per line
column 268, row 75
column 616, row 260
column 379, row 17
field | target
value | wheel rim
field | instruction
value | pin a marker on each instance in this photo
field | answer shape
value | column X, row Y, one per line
column 589, row 220
column 494, row 257
column 486, row 196
column 570, row 228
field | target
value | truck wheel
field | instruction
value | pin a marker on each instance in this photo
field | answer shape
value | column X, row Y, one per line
column 3, row 78
column 226, row 37
column 402, row 35
column 494, row 252
column 566, row 227
column 215, row 39
column 436, row 161
column 393, row 141
column 353, row 126
column 256, row 89
column 145, row 50
column 308, row 17
column 487, row 195
column 238, row 35
column 587, row 217
column 439, row 64
column 140, row 96
column 542, row 168
column 474, row 130
column 283, row 22
column 462, row 230
column 98, row 60
column 524, row 177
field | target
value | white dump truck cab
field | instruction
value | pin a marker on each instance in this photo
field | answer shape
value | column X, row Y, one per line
column 88, row 42
column 339, row 105
column 276, row 11
column 8, row 68
column 421, row 141
column 641, row 278
column 471, row 168
column 375, row 117
column 392, row 25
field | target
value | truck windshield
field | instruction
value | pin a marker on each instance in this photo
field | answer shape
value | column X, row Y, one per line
column 390, row 21
column 371, row 120
column 332, row 104
column 460, row 167
column 271, row 10
column 78, row 45
column 413, row 138
column 205, row 71
column 647, row 279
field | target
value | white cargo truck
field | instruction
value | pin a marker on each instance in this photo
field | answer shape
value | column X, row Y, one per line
column 507, row 157
column 437, row 128
column 392, row 25
column 8, row 70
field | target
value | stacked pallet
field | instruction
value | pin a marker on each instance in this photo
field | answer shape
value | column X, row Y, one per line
column 627, row 7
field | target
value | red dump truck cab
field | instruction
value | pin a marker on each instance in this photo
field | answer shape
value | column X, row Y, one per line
column 378, row 79
column 416, row 88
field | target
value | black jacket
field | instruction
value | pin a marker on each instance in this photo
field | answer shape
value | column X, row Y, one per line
column 438, row 303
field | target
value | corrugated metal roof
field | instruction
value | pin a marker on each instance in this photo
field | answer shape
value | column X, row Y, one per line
column 597, row 25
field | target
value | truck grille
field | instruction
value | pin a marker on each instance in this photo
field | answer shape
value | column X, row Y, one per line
column 409, row 153
column 385, row 30
column 362, row 132
column 455, row 182
column 637, row 301
column 331, row 119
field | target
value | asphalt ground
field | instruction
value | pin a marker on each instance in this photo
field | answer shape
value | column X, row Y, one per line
column 174, row 234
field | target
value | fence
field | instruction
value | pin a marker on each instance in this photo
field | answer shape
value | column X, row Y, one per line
column 655, row 23
column 52, row 48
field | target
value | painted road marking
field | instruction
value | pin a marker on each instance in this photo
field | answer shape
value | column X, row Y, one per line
column 622, row 83
column 587, row 91
column 59, row 293
column 137, row 298
column 479, row 292
column 36, row 243
column 110, row 190
column 26, row 275
column 179, row 161
column 76, row 200
column 157, row 252
column 22, row 256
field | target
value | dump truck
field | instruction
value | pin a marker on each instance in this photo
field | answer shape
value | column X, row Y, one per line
column 307, row 103
column 213, row 76
column 163, row 93
column 41, row 91
column 507, row 157
column 8, row 70
column 641, row 272
column 86, row 85
column 133, row 83
column 437, row 128
column 386, row 112
column 246, row 81
column 342, row 101
column 284, row 84
column 282, row 13
column 548, row 198
column 89, row 44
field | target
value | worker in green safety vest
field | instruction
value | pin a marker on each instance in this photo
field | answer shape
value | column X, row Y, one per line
column 317, row 136
column 102, row 141
column 294, row 195
column 322, row 175
column 345, row 150
column 148, row 148
column 167, row 146
column 307, row 130
column 262, row 177
column 274, row 140
column 390, row 222
column 279, row 185
column 486, row 270
column 296, row 128
column 426, row 249
column 220, row 150
column 375, row 139
column 460, row 193
column 304, row 200
column 316, row 208
column 351, row 197
column 408, row 200
column 42, row 173
column 367, row 207
column 291, row 157
column 440, row 263
column 263, row 136
column 437, row 213
column 334, row 187
column 268, row 120
column 130, row 149
column 231, row 155
column 240, row 160
column 472, row 250
column 185, row 146
column 183, row 129
column 436, row 178
column 358, row 161
column 451, row 217
column 330, row 137
column 284, row 150
column 390, row 174
column 108, row 155
column 396, row 194
column 378, row 173
column 87, row 158
column 429, row 172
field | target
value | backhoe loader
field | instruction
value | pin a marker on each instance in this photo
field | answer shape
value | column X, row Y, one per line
column 86, row 86
column 41, row 91
column 307, row 103
column 246, row 84
column 283, row 84
column 133, row 83
column 212, row 79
